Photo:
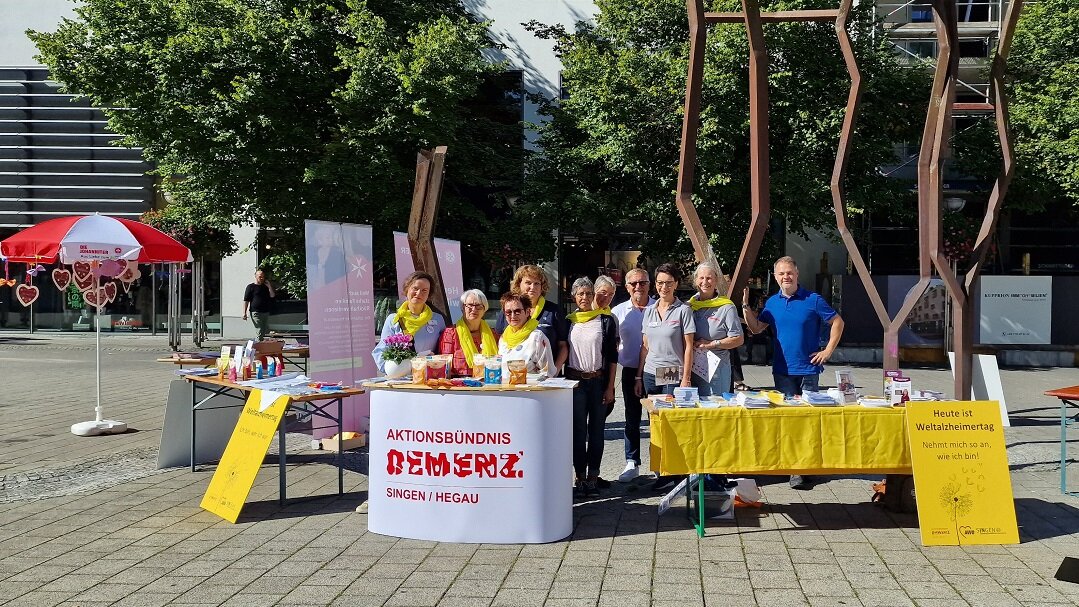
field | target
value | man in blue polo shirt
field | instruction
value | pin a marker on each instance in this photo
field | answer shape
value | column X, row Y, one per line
column 798, row 316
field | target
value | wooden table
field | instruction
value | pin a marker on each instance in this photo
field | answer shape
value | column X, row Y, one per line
column 1068, row 397
column 317, row 405
column 778, row 440
column 296, row 356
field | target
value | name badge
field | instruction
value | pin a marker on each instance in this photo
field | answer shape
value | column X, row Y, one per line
column 666, row 376
column 653, row 324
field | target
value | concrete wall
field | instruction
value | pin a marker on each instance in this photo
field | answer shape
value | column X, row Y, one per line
column 16, row 50
column 237, row 271
column 534, row 57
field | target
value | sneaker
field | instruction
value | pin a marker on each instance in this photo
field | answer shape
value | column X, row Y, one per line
column 603, row 483
column 589, row 488
column 631, row 472
column 800, row 482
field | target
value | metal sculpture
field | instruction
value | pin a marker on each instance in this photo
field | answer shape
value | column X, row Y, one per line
column 934, row 150
column 426, row 195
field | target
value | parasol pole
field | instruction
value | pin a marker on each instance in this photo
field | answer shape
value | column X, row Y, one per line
column 99, row 425
column 97, row 350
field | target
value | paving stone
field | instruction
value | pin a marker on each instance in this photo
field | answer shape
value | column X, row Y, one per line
column 775, row 597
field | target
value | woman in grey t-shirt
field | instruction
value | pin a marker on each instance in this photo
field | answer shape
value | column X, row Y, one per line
column 667, row 352
column 718, row 329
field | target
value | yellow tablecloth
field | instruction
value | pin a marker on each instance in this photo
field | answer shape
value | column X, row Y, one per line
column 782, row 440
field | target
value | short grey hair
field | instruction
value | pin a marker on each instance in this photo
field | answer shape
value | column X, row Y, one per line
column 638, row 271
column 707, row 265
column 605, row 281
column 785, row 259
column 580, row 283
column 478, row 295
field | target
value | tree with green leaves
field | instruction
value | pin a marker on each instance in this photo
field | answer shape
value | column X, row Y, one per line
column 1043, row 99
column 276, row 111
column 610, row 149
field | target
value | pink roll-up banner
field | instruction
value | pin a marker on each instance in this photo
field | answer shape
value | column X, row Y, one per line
column 449, row 261
column 340, row 312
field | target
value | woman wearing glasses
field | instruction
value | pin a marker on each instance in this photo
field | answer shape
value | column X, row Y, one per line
column 531, row 281
column 593, row 352
column 522, row 339
column 470, row 335
column 719, row 329
column 666, row 359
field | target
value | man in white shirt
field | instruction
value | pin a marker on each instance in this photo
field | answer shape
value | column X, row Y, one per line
column 630, row 314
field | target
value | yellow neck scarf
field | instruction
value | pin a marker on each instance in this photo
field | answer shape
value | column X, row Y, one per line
column 715, row 302
column 515, row 336
column 537, row 308
column 468, row 346
column 409, row 324
column 580, row 316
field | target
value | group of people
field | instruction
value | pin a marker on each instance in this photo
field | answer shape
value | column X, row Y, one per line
column 661, row 343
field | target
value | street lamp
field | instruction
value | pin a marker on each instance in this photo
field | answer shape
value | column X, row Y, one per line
column 954, row 204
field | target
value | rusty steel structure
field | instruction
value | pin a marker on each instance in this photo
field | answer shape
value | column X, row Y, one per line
column 935, row 149
column 426, row 195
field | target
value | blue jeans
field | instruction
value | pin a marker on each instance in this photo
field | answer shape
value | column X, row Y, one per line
column 650, row 386
column 792, row 385
column 589, row 415
column 721, row 382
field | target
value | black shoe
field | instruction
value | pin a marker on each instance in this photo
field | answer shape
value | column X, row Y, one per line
column 578, row 489
column 801, row 483
column 602, row 483
column 662, row 481
column 589, row 488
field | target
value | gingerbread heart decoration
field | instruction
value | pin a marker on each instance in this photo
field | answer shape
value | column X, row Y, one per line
column 61, row 278
column 126, row 286
column 9, row 282
column 94, row 297
column 82, row 270
column 110, row 291
column 130, row 275
column 27, row 294
column 85, row 283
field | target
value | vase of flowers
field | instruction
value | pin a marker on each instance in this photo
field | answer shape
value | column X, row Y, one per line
column 399, row 349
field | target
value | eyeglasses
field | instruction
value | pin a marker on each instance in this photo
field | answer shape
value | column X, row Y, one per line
column 473, row 306
column 513, row 311
column 637, row 283
column 665, row 283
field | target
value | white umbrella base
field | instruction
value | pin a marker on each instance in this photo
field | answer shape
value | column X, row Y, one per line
column 105, row 426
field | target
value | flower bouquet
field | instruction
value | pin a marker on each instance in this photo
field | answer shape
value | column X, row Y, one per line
column 399, row 349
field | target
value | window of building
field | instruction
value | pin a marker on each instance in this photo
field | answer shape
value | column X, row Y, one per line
column 921, row 14
column 926, row 49
column 976, row 47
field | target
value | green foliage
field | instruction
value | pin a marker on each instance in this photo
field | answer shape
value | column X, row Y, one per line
column 204, row 235
column 276, row 111
column 1043, row 99
column 611, row 148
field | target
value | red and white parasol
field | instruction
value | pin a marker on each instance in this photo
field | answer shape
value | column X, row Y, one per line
column 93, row 238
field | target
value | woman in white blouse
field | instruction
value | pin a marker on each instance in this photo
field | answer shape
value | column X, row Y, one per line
column 522, row 340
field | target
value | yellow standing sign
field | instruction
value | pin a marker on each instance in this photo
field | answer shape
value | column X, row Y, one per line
column 244, row 454
column 961, row 477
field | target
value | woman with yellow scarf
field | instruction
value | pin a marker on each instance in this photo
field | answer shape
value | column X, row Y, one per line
column 470, row 335
column 719, row 330
column 531, row 281
column 593, row 357
column 523, row 340
column 414, row 317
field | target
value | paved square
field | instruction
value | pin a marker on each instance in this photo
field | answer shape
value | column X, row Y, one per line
column 89, row 521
